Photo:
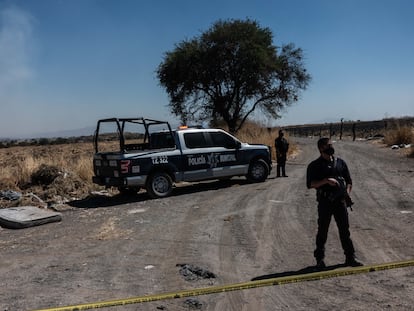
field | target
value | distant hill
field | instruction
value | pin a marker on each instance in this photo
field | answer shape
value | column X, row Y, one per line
column 86, row 131
column 360, row 128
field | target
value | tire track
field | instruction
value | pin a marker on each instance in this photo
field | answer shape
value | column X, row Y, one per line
column 378, row 193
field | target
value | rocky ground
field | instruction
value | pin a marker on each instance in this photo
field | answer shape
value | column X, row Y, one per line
column 217, row 233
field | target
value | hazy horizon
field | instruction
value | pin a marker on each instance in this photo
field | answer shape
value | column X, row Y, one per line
column 88, row 131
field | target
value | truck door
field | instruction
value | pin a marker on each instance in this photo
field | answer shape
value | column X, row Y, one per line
column 195, row 158
column 209, row 155
column 226, row 149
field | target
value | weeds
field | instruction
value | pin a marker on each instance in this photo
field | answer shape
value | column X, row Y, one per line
column 399, row 135
column 411, row 152
column 23, row 167
column 257, row 134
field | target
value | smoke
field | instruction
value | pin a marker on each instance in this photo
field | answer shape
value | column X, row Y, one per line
column 15, row 46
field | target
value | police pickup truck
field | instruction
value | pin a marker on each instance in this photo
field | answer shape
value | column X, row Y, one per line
column 156, row 156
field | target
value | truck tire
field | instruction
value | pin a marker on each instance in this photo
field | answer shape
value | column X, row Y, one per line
column 258, row 171
column 159, row 185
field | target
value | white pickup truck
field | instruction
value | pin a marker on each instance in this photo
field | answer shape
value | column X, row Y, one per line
column 158, row 156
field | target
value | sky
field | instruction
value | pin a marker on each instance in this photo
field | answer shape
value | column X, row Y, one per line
column 64, row 64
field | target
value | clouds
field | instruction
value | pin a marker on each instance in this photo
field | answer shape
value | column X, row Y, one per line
column 16, row 28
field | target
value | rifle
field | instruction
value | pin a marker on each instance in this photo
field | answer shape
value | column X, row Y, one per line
column 343, row 188
column 348, row 201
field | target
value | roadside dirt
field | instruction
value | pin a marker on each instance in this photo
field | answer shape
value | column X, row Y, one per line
column 117, row 247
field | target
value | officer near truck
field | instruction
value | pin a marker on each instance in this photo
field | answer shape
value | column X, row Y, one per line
column 282, row 147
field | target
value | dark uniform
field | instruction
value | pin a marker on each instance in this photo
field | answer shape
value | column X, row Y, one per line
column 282, row 147
column 331, row 202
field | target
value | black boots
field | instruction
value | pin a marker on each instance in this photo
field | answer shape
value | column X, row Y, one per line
column 283, row 171
column 320, row 264
column 352, row 262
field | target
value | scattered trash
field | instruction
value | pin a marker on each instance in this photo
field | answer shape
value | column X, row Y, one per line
column 26, row 216
column 103, row 193
column 10, row 195
column 149, row 267
column 30, row 194
column 193, row 303
column 276, row 201
column 401, row 146
column 137, row 210
column 193, row 273
column 228, row 218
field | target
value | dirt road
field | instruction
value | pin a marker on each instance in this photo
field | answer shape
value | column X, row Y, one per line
column 110, row 248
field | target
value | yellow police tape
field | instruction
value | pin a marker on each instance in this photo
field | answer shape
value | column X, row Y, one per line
column 237, row 286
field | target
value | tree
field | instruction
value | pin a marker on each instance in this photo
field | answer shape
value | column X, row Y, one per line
column 230, row 71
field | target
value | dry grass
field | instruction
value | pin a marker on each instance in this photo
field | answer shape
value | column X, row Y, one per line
column 256, row 134
column 19, row 164
column 399, row 135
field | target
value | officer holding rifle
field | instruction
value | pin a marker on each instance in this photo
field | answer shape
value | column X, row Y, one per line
column 330, row 177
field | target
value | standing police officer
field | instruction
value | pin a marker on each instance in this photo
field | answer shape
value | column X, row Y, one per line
column 331, row 179
column 282, row 147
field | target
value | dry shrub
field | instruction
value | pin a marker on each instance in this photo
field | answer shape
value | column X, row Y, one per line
column 399, row 135
column 17, row 169
column 45, row 175
column 7, row 182
column 65, row 167
column 26, row 167
column 255, row 133
column 83, row 167
column 411, row 152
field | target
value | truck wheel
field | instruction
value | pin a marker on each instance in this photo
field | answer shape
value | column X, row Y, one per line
column 258, row 171
column 159, row 185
